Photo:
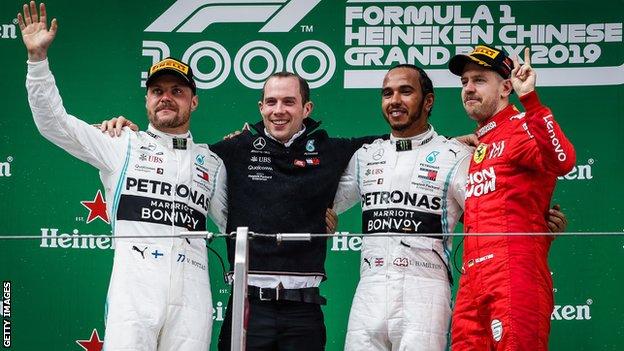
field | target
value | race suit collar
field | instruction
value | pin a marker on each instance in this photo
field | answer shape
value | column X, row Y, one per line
column 405, row 144
column 309, row 125
column 172, row 141
column 501, row 117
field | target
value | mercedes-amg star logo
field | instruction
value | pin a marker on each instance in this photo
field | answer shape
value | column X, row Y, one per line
column 378, row 154
column 259, row 143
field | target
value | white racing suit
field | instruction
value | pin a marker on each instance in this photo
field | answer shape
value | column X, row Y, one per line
column 406, row 186
column 159, row 295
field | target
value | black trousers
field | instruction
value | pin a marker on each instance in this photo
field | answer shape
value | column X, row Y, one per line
column 279, row 326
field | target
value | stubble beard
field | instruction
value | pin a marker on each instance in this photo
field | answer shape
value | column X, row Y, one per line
column 411, row 119
column 175, row 122
column 482, row 112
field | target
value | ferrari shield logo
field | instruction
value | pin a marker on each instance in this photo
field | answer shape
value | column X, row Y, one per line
column 479, row 153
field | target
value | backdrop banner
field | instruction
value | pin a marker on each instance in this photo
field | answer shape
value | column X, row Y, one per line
column 54, row 287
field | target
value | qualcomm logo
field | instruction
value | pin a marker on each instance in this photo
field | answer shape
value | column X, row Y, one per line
column 5, row 167
column 194, row 16
column 280, row 16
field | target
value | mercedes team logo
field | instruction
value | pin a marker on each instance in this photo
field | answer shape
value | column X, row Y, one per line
column 259, row 143
column 378, row 154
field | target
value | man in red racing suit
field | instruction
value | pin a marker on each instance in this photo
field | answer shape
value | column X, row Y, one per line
column 505, row 297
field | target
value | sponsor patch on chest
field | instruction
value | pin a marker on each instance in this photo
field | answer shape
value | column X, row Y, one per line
column 481, row 182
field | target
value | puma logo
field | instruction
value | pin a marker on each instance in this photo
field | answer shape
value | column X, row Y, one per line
column 134, row 248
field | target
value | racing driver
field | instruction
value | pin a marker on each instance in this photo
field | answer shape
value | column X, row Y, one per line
column 411, row 184
column 157, row 183
column 505, row 297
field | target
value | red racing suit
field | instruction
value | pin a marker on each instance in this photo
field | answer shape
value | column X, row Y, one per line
column 505, row 297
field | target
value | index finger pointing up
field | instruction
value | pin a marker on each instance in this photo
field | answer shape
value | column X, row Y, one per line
column 527, row 56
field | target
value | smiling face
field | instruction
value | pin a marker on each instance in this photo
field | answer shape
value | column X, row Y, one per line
column 484, row 92
column 282, row 107
column 403, row 104
column 169, row 103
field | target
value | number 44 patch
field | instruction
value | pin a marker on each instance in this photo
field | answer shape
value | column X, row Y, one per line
column 401, row 262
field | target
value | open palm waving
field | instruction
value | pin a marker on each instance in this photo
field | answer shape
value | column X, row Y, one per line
column 35, row 33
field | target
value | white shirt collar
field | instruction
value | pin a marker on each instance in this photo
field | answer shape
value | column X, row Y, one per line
column 291, row 140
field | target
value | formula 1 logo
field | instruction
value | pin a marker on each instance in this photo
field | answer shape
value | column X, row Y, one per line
column 278, row 16
column 186, row 16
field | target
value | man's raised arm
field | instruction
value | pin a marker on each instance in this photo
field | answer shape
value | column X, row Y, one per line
column 53, row 122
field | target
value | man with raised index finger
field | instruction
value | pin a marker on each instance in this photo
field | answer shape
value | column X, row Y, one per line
column 505, row 297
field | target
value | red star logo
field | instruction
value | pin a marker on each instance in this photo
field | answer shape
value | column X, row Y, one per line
column 93, row 344
column 97, row 208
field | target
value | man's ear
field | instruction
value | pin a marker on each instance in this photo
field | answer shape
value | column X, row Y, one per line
column 428, row 104
column 194, row 102
column 307, row 109
column 507, row 88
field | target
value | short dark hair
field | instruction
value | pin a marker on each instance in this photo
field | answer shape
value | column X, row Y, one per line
column 304, row 88
column 425, row 82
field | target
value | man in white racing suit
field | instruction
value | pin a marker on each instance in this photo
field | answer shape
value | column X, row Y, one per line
column 411, row 184
column 157, row 183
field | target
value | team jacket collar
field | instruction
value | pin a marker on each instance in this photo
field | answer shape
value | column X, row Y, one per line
column 405, row 144
column 309, row 125
column 292, row 139
column 497, row 120
column 172, row 141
